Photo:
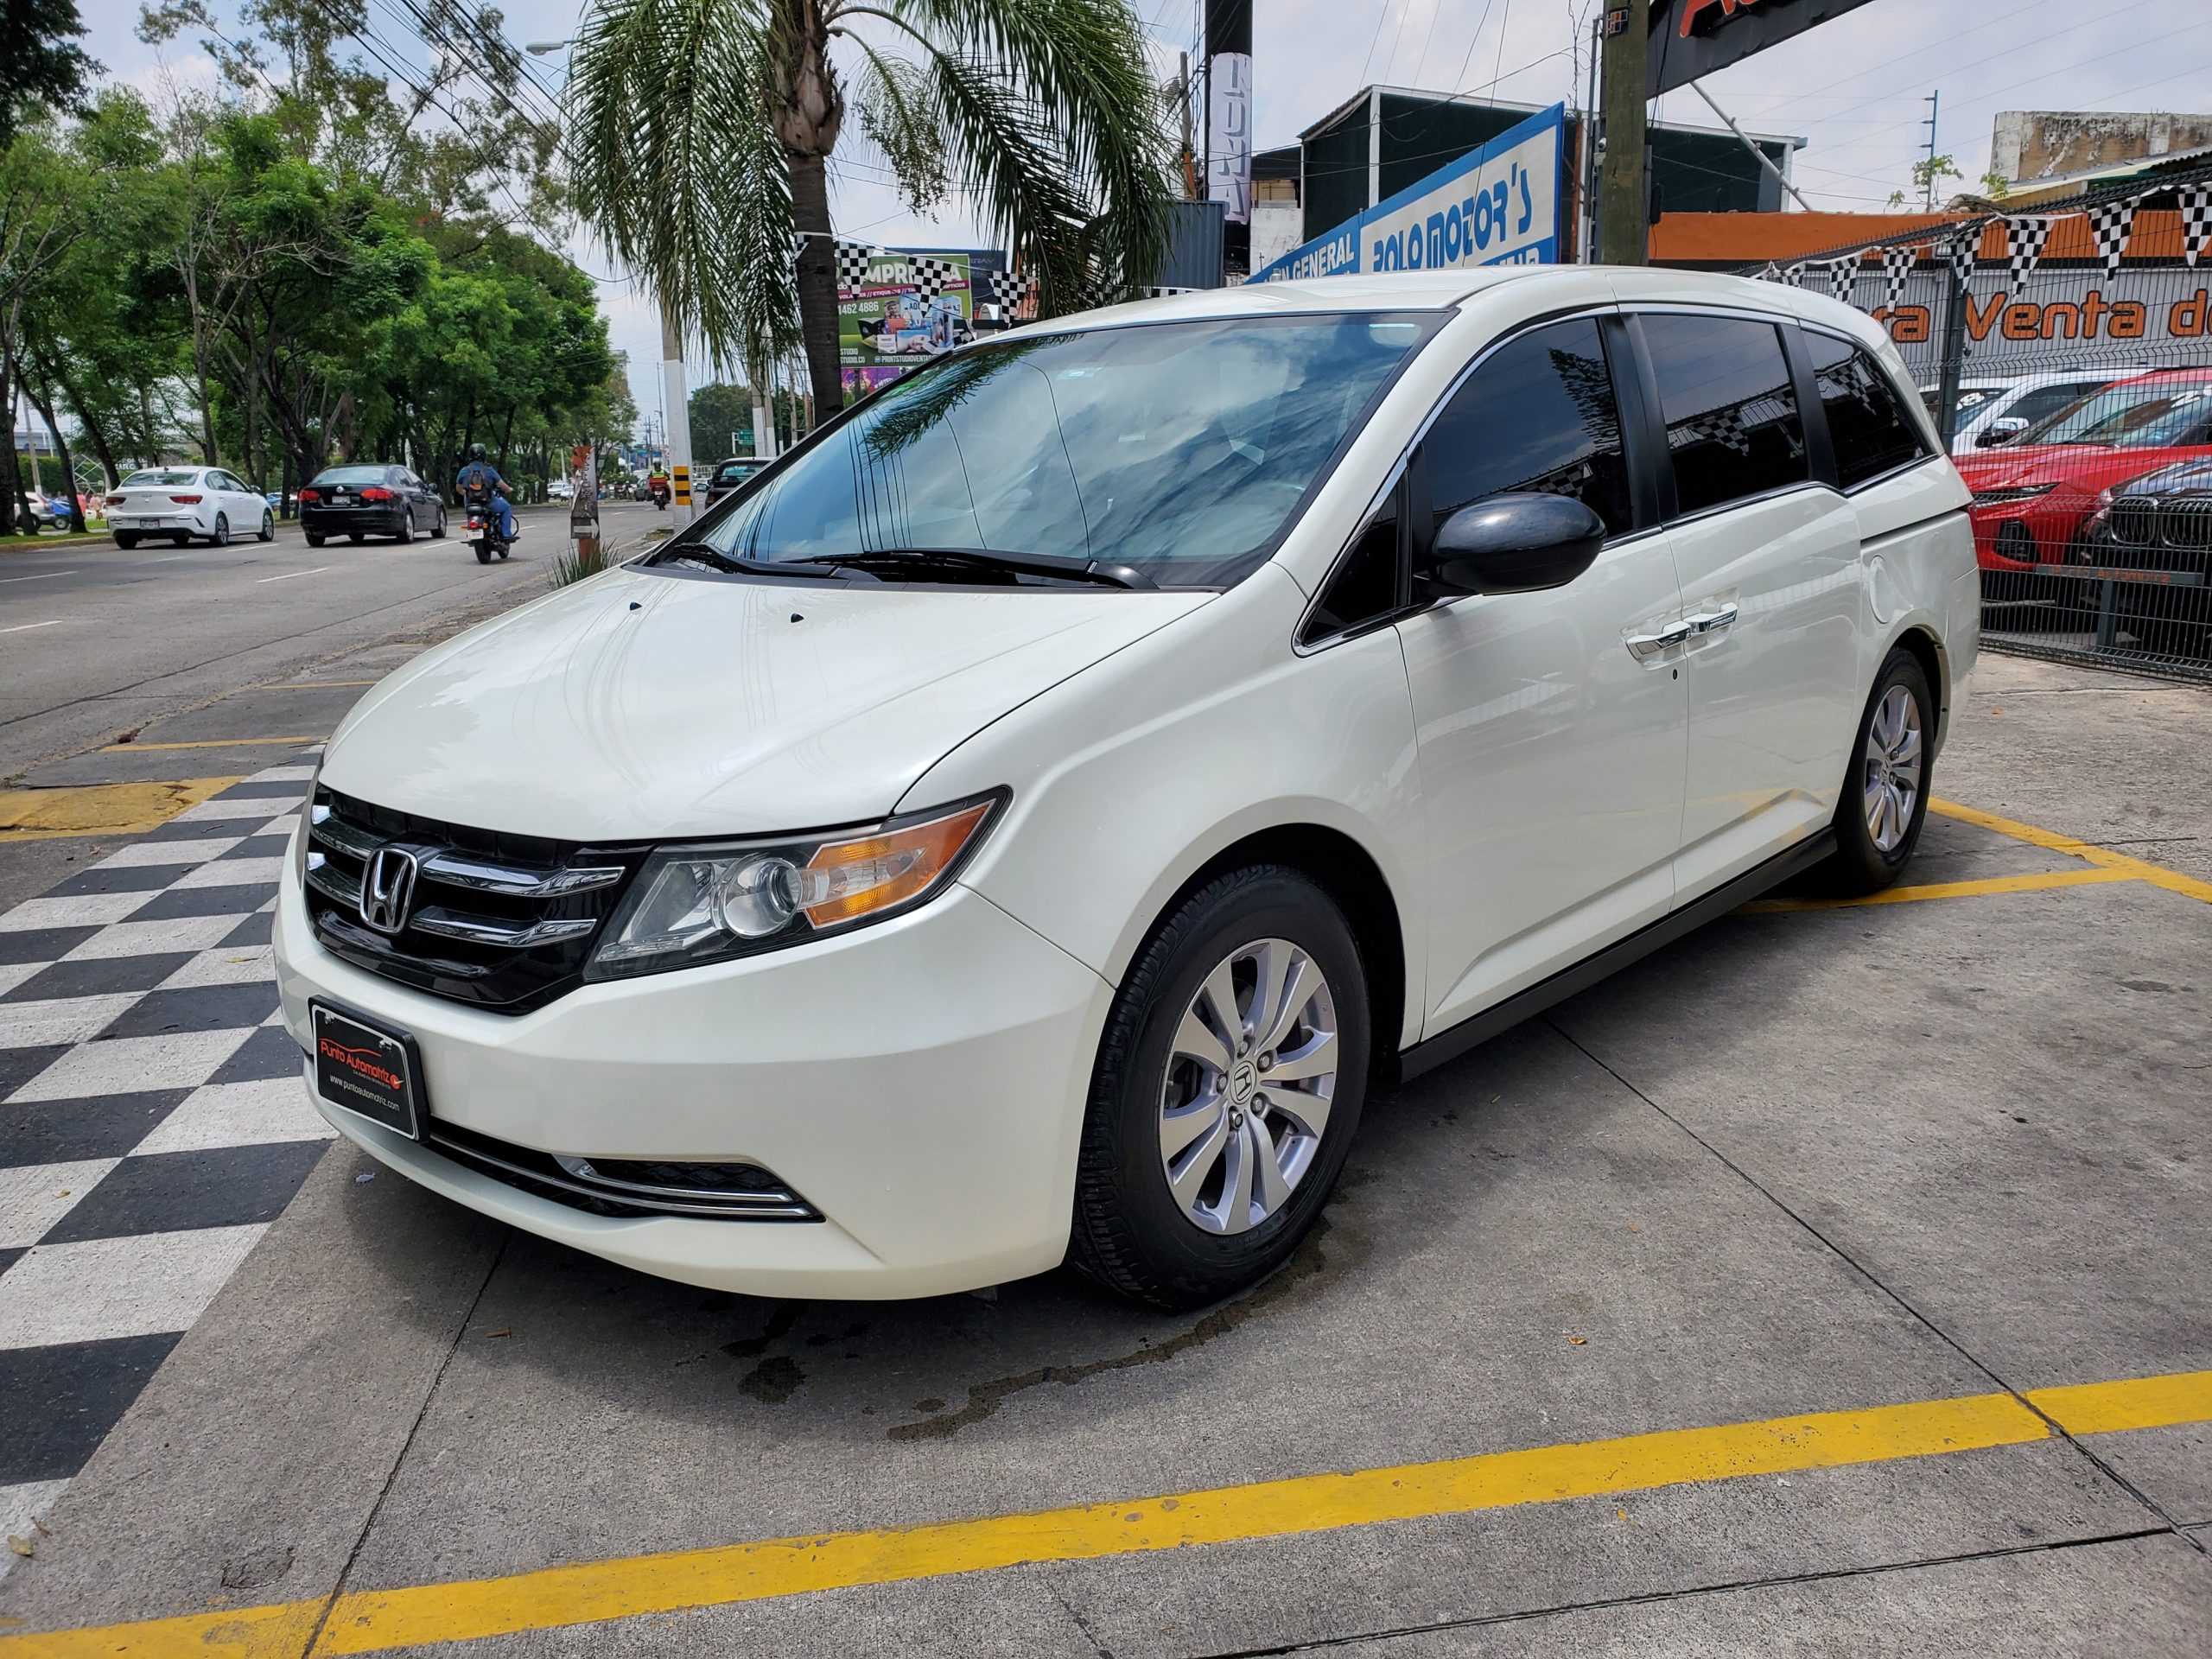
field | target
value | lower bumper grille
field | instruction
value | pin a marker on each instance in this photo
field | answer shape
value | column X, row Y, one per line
column 626, row 1187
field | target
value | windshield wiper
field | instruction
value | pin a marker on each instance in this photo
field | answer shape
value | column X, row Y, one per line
column 977, row 558
column 701, row 553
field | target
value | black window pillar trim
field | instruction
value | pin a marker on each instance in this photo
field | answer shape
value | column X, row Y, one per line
column 1650, row 420
column 1642, row 439
column 1812, row 413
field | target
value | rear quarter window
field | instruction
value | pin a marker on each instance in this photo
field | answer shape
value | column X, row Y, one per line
column 1868, row 427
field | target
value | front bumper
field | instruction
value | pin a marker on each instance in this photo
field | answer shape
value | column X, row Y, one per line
column 921, row 1083
column 2020, row 535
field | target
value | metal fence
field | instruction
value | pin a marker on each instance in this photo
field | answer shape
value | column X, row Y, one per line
column 2066, row 352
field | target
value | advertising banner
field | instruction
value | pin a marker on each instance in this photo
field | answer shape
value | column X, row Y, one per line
column 1690, row 38
column 1498, row 204
column 896, row 310
column 2146, row 317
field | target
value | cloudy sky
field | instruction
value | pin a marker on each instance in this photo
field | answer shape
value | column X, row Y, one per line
column 1854, row 88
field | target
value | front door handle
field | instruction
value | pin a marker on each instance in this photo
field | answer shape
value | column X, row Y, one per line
column 1719, row 619
column 1643, row 646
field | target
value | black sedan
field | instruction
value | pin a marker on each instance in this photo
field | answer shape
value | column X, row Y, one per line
column 369, row 500
column 728, row 474
column 2154, row 535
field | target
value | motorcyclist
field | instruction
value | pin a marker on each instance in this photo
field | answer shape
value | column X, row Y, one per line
column 480, row 485
column 657, row 487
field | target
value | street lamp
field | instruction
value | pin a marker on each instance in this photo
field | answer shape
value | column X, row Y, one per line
column 539, row 49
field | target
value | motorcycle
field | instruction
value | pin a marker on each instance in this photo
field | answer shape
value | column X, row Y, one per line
column 484, row 537
column 660, row 495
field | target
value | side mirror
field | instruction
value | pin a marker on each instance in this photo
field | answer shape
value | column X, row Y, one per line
column 1514, row 543
column 2003, row 429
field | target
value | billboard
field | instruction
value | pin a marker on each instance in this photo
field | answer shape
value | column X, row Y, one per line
column 2145, row 317
column 1497, row 205
column 1690, row 38
column 897, row 310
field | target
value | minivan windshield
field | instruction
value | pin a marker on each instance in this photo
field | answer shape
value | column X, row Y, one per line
column 2136, row 414
column 1179, row 449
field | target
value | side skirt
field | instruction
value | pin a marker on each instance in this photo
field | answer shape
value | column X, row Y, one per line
column 1479, row 1028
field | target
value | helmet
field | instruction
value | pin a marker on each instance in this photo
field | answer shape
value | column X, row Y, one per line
column 476, row 452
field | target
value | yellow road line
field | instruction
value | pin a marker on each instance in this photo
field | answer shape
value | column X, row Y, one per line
column 376, row 1621
column 100, row 809
column 2037, row 882
column 214, row 743
column 2104, row 858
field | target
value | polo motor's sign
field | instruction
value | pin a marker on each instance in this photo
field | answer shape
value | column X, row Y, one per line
column 1498, row 204
column 1692, row 38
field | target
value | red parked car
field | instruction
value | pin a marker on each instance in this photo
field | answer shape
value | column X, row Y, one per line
column 2032, row 498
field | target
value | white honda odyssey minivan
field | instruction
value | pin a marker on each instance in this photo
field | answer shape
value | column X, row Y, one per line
column 1024, row 822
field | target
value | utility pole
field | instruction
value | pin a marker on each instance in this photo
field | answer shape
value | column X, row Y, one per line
column 1928, row 184
column 675, row 416
column 1624, row 194
column 1183, row 97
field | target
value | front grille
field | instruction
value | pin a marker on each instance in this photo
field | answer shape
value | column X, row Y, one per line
column 2189, row 523
column 504, row 923
column 626, row 1187
column 2135, row 522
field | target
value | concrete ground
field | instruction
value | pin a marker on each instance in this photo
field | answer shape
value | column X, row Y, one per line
column 1935, row 1155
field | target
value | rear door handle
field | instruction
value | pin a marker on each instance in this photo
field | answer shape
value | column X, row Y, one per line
column 1643, row 646
column 1716, row 620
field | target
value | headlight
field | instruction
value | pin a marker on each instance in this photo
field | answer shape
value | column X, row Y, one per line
column 2016, row 492
column 693, row 905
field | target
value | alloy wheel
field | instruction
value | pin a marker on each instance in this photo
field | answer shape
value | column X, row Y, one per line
column 1893, row 763
column 1250, row 1076
column 222, row 535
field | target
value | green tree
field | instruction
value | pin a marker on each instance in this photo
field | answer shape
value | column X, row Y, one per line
column 719, row 412
column 701, row 131
column 41, row 66
column 1928, row 172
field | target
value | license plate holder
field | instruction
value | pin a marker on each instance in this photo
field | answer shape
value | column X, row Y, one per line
column 368, row 1069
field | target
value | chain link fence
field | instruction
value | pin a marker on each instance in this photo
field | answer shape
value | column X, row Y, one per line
column 2065, row 351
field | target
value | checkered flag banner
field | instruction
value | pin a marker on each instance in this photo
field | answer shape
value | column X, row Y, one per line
column 930, row 276
column 1843, row 276
column 852, row 263
column 2109, row 224
column 1009, row 288
column 1897, row 266
column 2023, row 240
column 1965, row 250
column 1794, row 276
column 2195, row 219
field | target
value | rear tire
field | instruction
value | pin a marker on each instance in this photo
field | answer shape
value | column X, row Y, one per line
column 315, row 538
column 1885, row 801
column 1153, row 1088
column 354, row 537
column 483, row 552
column 126, row 539
column 405, row 533
column 268, row 532
column 222, row 535
column 438, row 530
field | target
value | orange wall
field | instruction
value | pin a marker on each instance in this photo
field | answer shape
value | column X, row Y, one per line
column 1749, row 238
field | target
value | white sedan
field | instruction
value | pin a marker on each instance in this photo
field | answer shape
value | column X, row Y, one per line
column 1023, row 825
column 185, row 503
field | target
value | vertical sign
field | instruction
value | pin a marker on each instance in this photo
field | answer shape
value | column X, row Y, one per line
column 1228, row 124
column 583, row 504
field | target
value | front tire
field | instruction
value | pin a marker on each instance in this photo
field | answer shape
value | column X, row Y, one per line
column 1885, row 801
column 1226, row 1094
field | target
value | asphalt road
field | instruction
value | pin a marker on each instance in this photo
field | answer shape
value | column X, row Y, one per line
column 95, row 641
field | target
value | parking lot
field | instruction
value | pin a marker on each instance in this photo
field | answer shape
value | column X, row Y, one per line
column 1833, row 1282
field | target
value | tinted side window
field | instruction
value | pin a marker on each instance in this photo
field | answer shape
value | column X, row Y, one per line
column 1867, row 424
column 2046, row 401
column 1733, row 426
column 1539, row 415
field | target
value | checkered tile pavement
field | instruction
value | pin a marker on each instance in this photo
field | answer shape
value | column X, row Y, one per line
column 152, row 1122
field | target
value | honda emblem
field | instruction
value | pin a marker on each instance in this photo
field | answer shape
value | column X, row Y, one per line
column 388, row 888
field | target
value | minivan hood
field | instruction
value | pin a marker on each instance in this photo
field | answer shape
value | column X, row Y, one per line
column 645, row 704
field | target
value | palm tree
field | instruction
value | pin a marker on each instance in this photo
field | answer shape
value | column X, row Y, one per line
column 700, row 133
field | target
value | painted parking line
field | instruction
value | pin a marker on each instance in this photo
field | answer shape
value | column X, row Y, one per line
column 2037, row 881
column 100, row 809
column 378, row 1621
column 216, row 743
column 2104, row 858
